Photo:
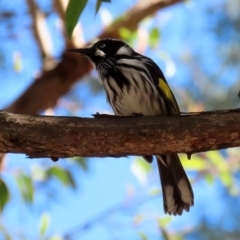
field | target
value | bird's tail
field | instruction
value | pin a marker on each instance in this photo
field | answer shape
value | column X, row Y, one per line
column 176, row 188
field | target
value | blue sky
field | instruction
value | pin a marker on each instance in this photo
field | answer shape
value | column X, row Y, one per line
column 108, row 180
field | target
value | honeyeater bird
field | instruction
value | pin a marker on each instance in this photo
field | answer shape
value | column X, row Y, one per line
column 134, row 84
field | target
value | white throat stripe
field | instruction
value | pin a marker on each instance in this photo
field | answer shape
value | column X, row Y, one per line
column 123, row 51
column 100, row 53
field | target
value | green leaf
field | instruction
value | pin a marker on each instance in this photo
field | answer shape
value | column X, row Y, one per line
column 154, row 191
column 209, row 178
column 73, row 12
column 142, row 236
column 82, row 162
column 164, row 221
column 154, row 37
column 4, row 194
column 63, row 175
column 226, row 178
column 124, row 33
column 196, row 163
column 165, row 234
column 44, row 223
column 26, row 188
column 17, row 61
column 99, row 3
column 224, row 172
column 217, row 159
column 142, row 165
column 127, row 35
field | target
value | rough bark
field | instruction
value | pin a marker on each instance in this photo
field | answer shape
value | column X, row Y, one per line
column 45, row 90
column 44, row 136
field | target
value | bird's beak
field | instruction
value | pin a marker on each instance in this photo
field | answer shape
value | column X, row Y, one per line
column 85, row 51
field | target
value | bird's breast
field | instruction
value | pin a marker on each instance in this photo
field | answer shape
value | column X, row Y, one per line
column 135, row 97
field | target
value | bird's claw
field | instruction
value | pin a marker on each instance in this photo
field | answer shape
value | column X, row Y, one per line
column 136, row 114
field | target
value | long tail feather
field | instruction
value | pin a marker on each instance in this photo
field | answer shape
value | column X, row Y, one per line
column 176, row 188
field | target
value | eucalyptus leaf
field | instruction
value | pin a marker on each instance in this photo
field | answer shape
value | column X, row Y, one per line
column 4, row 194
column 154, row 37
column 63, row 175
column 209, row 178
column 73, row 12
column 25, row 186
column 164, row 221
column 196, row 163
column 99, row 3
column 82, row 162
column 143, row 236
column 44, row 223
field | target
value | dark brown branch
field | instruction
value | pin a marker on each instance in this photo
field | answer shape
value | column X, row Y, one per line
column 39, row 136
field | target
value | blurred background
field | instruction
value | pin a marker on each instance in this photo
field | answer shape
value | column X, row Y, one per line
column 196, row 44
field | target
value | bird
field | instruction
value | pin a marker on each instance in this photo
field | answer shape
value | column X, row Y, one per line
column 134, row 84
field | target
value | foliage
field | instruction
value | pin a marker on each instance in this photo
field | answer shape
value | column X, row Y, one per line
column 74, row 11
column 5, row 195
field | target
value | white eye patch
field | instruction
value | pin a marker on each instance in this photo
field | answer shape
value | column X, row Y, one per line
column 100, row 53
column 123, row 51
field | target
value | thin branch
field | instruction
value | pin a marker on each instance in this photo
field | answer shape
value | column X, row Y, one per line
column 40, row 29
column 135, row 15
column 59, row 137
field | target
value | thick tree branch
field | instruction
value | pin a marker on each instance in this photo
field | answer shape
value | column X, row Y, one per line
column 45, row 91
column 39, row 136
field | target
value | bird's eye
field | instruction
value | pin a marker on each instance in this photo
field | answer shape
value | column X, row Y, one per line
column 102, row 45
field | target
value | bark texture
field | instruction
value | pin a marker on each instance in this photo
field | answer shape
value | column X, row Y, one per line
column 44, row 136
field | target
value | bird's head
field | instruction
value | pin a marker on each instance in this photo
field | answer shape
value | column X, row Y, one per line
column 105, row 52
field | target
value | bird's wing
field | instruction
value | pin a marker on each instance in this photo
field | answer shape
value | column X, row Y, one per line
column 161, row 83
column 168, row 95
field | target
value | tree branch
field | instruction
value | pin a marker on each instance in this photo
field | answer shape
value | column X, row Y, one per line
column 44, row 136
column 45, row 91
column 40, row 30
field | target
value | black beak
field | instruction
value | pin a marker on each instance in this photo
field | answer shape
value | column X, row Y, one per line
column 85, row 51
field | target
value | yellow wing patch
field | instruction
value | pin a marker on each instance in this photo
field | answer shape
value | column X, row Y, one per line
column 166, row 90
column 168, row 93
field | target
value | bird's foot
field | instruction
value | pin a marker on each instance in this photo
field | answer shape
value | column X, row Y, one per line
column 136, row 114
